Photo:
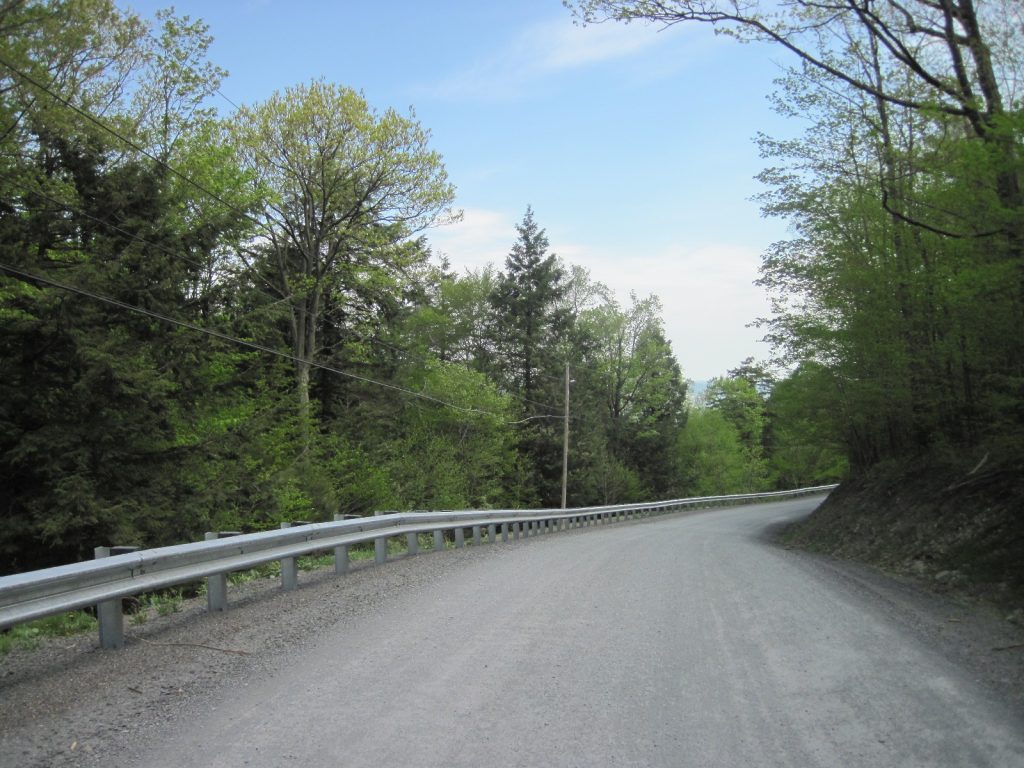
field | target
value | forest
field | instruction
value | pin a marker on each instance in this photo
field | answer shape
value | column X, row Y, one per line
column 223, row 321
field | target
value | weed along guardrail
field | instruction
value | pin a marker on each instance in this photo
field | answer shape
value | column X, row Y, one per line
column 119, row 572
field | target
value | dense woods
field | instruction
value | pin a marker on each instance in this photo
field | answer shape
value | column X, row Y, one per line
column 214, row 321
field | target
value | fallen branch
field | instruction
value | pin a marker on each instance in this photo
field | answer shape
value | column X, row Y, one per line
column 197, row 645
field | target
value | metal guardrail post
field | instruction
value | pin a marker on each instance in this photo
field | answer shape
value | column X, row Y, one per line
column 380, row 550
column 289, row 569
column 492, row 533
column 438, row 540
column 341, row 559
column 504, row 531
column 412, row 541
column 109, row 613
column 340, row 553
column 217, row 583
column 476, row 535
column 460, row 537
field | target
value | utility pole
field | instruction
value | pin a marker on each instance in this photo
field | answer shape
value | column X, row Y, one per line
column 565, row 439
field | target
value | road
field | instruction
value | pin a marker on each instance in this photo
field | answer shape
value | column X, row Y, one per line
column 683, row 641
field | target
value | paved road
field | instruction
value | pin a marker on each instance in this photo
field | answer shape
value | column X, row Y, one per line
column 686, row 641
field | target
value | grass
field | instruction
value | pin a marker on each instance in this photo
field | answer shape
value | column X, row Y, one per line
column 28, row 636
column 162, row 603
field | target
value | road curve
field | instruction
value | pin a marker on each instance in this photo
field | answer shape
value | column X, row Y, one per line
column 683, row 641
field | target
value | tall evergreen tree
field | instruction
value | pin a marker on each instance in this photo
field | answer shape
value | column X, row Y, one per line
column 529, row 329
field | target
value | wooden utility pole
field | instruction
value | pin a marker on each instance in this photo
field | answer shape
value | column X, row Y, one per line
column 565, row 439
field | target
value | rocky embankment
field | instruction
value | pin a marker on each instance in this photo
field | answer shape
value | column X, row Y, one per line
column 960, row 530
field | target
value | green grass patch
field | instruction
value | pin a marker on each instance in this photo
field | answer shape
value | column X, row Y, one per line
column 28, row 636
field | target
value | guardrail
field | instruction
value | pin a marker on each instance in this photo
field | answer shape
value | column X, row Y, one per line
column 115, row 574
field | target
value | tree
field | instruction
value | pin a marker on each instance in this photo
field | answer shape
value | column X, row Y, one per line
column 921, row 328
column 806, row 429
column 946, row 47
column 529, row 320
column 455, row 456
column 643, row 390
column 104, row 409
column 343, row 188
column 743, row 408
column 528, row 327
column 713, row 458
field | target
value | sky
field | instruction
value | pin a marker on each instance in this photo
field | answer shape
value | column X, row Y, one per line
column 634, row 145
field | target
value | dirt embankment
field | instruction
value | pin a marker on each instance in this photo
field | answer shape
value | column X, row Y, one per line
column 959, row 529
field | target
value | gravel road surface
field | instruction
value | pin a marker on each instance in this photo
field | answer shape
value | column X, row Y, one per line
column 689, row 640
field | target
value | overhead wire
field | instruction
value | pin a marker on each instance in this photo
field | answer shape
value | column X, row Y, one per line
column 142, row 150
column 25, row 274
column 175, row 254
column 166, row 165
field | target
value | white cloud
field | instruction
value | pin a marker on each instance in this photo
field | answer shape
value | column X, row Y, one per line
column 707, row 293
column 566, row 46
column 542, row 50
column 481, row 237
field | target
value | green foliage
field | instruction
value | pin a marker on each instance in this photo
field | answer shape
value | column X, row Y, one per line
column 898, row 303
column 716, row 459
column 450, row 458
column 343, row 189
column 806, row 432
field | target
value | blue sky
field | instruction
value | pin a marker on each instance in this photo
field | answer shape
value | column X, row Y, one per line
column 633, row 145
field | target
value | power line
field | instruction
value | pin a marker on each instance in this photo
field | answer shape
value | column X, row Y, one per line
column 250, row 344
column 229, row 101
column 111, row 225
